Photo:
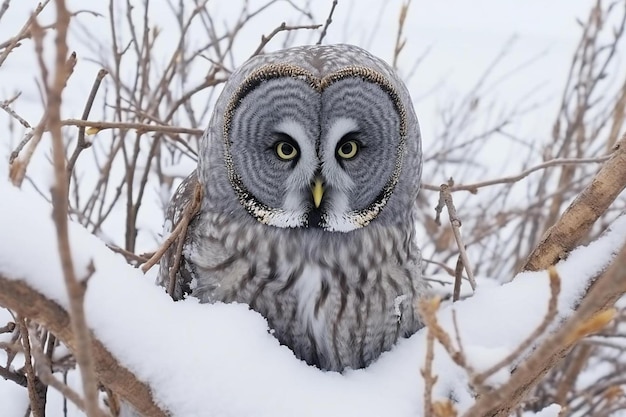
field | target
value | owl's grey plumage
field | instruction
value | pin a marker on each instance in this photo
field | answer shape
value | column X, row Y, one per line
column 310, row 170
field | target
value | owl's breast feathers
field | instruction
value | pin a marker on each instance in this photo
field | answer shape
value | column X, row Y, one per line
column 338, row 300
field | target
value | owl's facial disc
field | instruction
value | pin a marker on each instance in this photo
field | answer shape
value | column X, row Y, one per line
column 322, row 152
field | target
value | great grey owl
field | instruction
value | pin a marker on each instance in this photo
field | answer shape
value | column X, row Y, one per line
column 310, row 170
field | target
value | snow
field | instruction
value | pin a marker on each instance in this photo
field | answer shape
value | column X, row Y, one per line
column 220, row 360
column 550, row 411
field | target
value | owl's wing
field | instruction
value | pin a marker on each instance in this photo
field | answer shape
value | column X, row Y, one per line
column 182, row 198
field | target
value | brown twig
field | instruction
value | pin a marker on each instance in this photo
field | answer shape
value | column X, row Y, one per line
column 4, row 7
column 36, row 391
column 281, row 28
column 42, row 363
column 140, row 127
column 188, row 214
column 473, row 188
column 573, row 370
column 458, row 277
column 59, row 192
column 445, row 200
column 20, row 35
column 427, row 374
column 428, row 311
column 19, row 166
column 400, row 43
column 179, row 233
column 329, row 20
column 129, row 255
column 81, row 143
column 8, row 328
column 5, row 105
column 18, row 378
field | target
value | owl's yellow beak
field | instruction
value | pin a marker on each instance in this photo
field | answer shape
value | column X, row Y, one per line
column 318, row 191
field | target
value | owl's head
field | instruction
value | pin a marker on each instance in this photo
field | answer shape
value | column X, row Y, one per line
column 315, row 136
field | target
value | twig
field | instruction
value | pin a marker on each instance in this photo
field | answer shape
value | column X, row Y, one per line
column 81, row 144
column 399, row 41
column 4, row 8
column 127, row 254
column 13, row 42
column 188, row 214
column 5, row 105
column 473, row 188
column 445, row 199
column 571, row 373
column 59, row 192
column 179, row 231
column 428, row 312
column 458, row 277
column 140, row 127
column 18, row 378
column 10, row 326
column 281, row 28
column 19, row 166
column 45, row 375
column 329, row 20
column 427, row 374
column 37, row 403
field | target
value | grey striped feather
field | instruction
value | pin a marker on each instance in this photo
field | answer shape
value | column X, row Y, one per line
column 338, row 284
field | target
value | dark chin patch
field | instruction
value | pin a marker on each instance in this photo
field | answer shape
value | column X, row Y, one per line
column 315, row 218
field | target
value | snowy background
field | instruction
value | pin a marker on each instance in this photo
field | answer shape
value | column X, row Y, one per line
column 232, row 366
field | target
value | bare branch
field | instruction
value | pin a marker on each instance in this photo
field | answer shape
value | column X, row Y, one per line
column 19, row 297
column 81, row 144
column 445, row 199
column 329, row 20
column 473, row 188
column 576, row 221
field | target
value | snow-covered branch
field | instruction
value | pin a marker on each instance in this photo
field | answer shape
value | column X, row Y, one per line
column 27, row 302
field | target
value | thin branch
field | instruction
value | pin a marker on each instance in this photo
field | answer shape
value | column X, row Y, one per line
column 445, row 200
column 5, row 105
column 36, row 396
column 329, row 20
column 81, row 143
column 4, row 7
column 473, row 188
column 400, row 42
column 20, row 35
column 59, row 193
column 10, row 326
column 140, row 127
column 179, row 232
column 43, row 370
column 281, row 28
column 427, row 374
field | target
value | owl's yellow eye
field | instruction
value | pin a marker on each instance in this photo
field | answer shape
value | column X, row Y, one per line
column 348, row 150
column 286, row 151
